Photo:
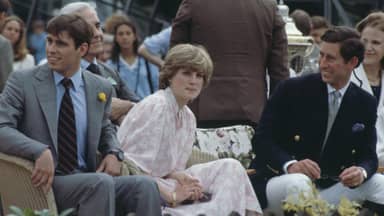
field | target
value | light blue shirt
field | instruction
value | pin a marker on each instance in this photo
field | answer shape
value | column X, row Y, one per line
column 84, row 63
column 158, row 44
column 135, row 76
column 37, row 42
column 77, row 93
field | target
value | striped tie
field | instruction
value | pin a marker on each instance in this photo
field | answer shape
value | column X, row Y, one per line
column 66, row 132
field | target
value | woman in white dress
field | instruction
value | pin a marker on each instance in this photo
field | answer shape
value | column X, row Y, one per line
column 13, row 29
column 369, row 75
column 157, row 137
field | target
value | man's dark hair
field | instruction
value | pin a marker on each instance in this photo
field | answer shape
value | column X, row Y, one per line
column 5, row 5
column 319, row 22
column 349, row 40
column 302, row 21
column 74, row 25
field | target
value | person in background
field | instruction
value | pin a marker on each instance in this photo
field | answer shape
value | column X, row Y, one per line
column 107, row 48
column 111, row 21
column 157, row 137
column 369, row 75
column 247, row 41
column 302, row 21
column 123, row 98
column 299, row 64
column 6, row 54
column 319, row 26
column 155, row 47
column 13, row 29
column 139, row 75
column 36, row 40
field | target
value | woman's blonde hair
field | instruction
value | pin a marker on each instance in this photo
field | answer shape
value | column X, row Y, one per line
column 20, row 47
column 373, row 20
column 186, row 56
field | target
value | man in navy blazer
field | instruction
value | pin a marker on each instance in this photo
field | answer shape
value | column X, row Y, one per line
column 296, row 141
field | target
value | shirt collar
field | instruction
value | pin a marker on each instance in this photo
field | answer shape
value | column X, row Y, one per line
column 342, row 90
column 76, row 79
column 84, row 63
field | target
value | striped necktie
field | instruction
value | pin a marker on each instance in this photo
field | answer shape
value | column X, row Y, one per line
column 66, row 132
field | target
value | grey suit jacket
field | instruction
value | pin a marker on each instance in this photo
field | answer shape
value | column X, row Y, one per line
column 6, row 60
column 120, row 89
column 28, row 116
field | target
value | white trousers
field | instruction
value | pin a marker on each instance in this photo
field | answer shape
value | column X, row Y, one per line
column 278, row 188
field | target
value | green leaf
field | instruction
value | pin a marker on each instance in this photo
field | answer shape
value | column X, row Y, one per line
column 29, row 212
column 16, row 210
column 67, row 212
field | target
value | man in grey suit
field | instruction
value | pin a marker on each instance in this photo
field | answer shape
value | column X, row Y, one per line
column 57, row 116
column 123, row 100
column 6, row 54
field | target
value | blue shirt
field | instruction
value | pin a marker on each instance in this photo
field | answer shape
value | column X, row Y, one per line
column 77, row 93
column 158, row 44
column 37, row 43
column 135, row 76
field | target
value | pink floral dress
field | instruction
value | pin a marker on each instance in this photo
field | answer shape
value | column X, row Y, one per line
column 158, row 136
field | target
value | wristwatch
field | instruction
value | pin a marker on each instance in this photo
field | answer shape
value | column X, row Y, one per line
column 118, row 153
column 363, row 172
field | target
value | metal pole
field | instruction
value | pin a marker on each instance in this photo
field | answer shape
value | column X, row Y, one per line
column 127, row 6
column 153, row 15
column 32, row 10
column 328, row 10
column 343, row 14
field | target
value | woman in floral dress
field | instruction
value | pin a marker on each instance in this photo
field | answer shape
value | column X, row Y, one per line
column 157, row 137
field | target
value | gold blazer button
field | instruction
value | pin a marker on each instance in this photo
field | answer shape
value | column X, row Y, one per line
column 296, row 138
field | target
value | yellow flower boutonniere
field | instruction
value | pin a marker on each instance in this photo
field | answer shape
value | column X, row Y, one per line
column 102, row 97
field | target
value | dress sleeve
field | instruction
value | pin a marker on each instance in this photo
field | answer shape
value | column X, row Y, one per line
column 141, row 132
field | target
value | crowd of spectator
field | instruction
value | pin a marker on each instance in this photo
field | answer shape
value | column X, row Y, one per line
column 70, row 90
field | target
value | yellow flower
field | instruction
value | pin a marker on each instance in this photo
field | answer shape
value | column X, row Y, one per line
column 102, row 97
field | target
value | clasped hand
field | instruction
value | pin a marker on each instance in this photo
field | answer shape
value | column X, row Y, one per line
column 188, row 187
column 350, row 177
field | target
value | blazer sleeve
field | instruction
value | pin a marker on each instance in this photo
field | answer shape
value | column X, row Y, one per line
column 367, row 157
column 108, row 139
column 380, row 136
column 13, row 141
column 122, row 90
column 272, row 121
column 6, row 62
column 278, row 56
column 181, row 24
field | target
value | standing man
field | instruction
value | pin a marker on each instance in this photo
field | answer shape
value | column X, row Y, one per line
column 57, row 116
column 155, row 47
column 6, row 53
column 245, row 40
column 123, row 98
column 321, row 128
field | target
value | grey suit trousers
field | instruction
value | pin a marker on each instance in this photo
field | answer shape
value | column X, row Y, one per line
column 101, row 194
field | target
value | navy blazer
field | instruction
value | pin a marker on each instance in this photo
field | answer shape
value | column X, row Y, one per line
column 294, row 123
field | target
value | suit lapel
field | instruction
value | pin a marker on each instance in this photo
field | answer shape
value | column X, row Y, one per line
column 345, row 109
column 46, row 95
column 94, row 108
column 321, row 112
